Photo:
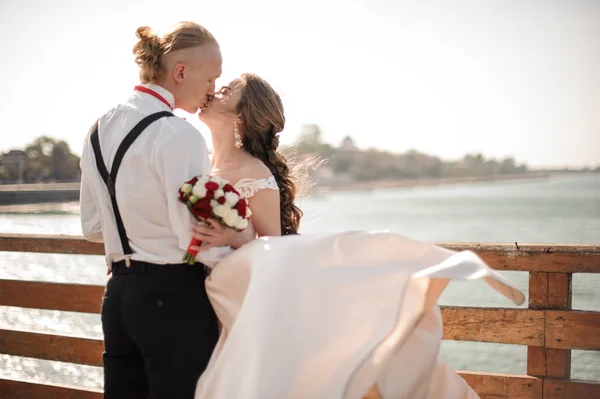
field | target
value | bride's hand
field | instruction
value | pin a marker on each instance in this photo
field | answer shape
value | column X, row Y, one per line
column 213, row 234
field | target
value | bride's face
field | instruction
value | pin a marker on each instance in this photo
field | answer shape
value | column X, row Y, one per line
column 221, row 109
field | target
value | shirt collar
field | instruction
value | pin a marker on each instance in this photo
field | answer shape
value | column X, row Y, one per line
column 162, row 91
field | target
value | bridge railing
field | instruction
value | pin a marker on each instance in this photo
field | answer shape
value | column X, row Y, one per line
column 548, row 327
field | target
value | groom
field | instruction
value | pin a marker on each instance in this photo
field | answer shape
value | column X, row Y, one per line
column 159, row 327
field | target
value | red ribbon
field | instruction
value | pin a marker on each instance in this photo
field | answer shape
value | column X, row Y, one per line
column 154, row 94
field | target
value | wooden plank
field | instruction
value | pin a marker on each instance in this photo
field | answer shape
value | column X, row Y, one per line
column 536, row 257
column 523, row 257
column 557, row 389
column 538, row 290
column 538, row 299
column 505, row 326
column 493, row 386
column 560, row 297
column 10, row 389
column 549, row 291
column 501, row 386
column 488, row 386
column 55, row 244
column 536, row 361
column 57, row 296
column 560, row 291
column 558, row 363
column 548, row 362
column 572, row 330
column 51, row 347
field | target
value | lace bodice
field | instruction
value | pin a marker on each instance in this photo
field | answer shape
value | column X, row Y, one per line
column 249, row 187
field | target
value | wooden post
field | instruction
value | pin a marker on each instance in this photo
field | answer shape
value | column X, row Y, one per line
column 549, row 291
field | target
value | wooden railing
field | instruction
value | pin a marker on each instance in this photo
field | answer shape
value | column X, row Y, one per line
column 549, row 327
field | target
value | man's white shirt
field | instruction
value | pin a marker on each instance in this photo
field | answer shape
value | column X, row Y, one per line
column 169, row 152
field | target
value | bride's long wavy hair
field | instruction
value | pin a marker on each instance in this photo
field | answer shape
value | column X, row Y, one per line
column 262, row 118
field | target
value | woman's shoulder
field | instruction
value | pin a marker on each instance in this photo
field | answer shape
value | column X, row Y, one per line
column 254, row 170
column 248, row 170
column 253, row 178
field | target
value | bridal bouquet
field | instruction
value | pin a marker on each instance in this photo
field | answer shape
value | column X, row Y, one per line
column 212, row 197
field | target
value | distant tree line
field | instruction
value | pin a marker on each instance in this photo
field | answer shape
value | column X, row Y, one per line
column 51, row 160
column 371, row 164
column 44, row 160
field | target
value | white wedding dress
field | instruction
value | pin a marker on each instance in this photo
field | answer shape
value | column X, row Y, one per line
column 331, row 316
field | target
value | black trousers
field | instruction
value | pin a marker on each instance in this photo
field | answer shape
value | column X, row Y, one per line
column 159, row 331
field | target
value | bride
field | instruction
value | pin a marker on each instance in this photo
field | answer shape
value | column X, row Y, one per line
column 316, row 316
column 245, row 118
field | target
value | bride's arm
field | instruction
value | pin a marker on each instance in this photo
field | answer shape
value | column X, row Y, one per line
column 216, row 235
column 266, row 221
column 266, row 213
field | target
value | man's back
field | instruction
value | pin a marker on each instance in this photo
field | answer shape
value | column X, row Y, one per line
column 167, row 153
column 159, row 327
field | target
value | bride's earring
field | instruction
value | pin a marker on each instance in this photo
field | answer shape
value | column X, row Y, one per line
column 236, row 136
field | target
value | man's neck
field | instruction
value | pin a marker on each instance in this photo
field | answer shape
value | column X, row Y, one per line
column 165, row 86
column 166, row 92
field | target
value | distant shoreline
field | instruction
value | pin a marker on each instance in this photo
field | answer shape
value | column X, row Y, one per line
column 423, row 182
column 72, row 207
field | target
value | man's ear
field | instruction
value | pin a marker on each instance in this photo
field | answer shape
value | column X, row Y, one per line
column 179, row 72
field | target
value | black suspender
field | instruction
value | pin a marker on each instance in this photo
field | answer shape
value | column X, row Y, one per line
column 110, row 179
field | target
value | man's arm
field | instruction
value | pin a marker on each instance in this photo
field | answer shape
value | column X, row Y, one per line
column 91, row 225
column 182, row 156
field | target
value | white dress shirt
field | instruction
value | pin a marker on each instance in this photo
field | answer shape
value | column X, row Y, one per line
column 169, row 152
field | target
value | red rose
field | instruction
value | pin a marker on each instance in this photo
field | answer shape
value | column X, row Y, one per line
column 221, row 200
column 202, row 203
column 228, row 188
column 202, row 208
column 210, row 195
column 211, row 186
column 241, row 207
column 193, row 181
column 183, row 197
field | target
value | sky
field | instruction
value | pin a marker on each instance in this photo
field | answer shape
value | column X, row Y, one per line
column 516, row 78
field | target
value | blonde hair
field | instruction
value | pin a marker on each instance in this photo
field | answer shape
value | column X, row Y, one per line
column 151, row 48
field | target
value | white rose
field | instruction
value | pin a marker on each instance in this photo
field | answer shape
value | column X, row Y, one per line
column 215, row 179
column 241, row 223
column 220, row 210
column 219, row 193
column 231, row 199
column 186, row 188
column 231, row 217
column 199, row 190
column 214, row 204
